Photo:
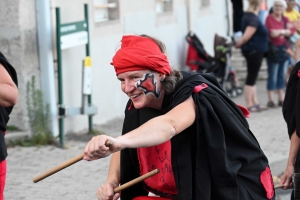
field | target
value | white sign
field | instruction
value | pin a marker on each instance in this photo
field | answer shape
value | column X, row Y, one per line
column 73, row 39
column 87, row 80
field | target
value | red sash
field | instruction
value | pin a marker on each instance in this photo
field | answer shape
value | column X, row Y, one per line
column 150, row 198
column 158, row 157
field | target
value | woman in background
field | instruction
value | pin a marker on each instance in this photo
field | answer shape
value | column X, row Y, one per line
column 278, row 29
column 254, row 44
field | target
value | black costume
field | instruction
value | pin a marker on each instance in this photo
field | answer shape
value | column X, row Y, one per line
column 291, row 107
column 217, row 157
column 5, row 111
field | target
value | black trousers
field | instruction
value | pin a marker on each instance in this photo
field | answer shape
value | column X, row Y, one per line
column 253, row 60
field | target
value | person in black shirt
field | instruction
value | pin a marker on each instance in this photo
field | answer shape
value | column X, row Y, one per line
column 8, row 98
column 254, row 44
column 291, row 114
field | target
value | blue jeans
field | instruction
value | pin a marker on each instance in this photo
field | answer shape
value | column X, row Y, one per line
column 276, row 74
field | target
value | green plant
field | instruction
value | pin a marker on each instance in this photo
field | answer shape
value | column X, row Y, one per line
column 38, row 114
column 12, row 128
column 96, row 132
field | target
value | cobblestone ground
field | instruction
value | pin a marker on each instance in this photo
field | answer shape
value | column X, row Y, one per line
column 80, row 181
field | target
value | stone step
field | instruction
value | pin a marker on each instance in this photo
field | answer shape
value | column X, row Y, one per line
column 236, row 52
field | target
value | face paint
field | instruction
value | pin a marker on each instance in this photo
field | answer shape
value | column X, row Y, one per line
column 148, row 84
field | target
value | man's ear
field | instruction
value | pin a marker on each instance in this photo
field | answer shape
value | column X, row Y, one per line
column 162, row 77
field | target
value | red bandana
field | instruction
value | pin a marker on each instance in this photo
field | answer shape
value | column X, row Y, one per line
column 140, row 53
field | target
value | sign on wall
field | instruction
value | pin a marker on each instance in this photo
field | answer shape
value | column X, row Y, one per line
column 73, row 34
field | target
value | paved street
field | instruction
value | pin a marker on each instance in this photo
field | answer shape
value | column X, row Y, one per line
column 80, row 181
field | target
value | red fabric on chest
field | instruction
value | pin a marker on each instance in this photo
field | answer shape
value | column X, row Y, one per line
column 150, row 198
column 158, row 157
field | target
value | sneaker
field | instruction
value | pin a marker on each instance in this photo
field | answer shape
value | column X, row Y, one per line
column 280, row 103
column 271, row 104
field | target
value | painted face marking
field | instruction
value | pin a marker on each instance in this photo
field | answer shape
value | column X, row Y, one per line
column 148, row 84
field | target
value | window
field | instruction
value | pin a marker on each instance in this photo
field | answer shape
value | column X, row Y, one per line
column 205, row 3
column 106, row 10
column 163, row 6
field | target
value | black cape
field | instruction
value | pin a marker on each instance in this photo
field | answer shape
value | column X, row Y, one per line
column 291, row 104
column 217, row 157
column 291, row 107
column 5, row 111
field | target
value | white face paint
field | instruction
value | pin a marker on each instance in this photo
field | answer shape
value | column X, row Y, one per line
column 148, row 84
column 143, row 87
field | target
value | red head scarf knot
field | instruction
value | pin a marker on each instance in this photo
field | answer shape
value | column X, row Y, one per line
column 140, row 53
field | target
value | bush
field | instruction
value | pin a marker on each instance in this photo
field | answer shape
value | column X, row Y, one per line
column 38, row 114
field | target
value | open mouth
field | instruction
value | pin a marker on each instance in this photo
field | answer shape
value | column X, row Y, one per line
column 135, row 96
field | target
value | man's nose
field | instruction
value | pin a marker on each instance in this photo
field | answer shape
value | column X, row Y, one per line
column 129, row 86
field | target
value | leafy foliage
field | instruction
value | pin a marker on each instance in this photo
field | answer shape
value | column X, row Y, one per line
column 38, row 114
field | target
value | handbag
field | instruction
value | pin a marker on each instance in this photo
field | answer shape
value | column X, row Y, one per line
column 277, row 53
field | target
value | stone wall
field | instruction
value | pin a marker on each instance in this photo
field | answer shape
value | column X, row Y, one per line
column 18, row 42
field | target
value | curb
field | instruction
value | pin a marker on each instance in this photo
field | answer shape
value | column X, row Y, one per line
column 15, row 135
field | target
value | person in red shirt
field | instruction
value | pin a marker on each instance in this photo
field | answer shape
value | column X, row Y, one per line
column 279, row 27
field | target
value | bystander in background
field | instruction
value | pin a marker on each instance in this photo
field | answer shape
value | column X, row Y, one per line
column 279, row 27
column 291, row 115
column 254, row 44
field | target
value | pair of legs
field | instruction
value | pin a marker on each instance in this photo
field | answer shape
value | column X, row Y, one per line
column 276, row 81
column 253, row 60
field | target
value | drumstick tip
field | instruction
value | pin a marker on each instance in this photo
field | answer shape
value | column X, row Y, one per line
column 108, row 143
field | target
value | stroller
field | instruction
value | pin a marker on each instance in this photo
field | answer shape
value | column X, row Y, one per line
column 199, row 60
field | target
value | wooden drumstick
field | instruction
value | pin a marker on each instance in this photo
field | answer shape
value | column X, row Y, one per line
column 137, row 180
column 278, row 186
column 62, row 166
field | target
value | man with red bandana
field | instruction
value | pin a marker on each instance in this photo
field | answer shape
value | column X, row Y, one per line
column 185, row 125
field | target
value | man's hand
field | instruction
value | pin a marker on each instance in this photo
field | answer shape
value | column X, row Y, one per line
column 106, row 192
column 98, row 148
column 286, row 178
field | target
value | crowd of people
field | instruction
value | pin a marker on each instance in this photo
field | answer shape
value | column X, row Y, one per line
column 274, row 37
